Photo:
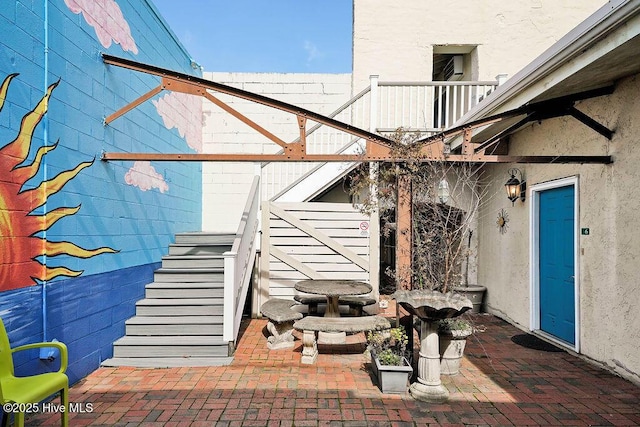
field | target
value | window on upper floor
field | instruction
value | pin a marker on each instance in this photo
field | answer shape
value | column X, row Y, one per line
column 454, row 63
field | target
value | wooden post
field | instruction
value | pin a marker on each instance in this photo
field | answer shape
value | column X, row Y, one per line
column 403, row 233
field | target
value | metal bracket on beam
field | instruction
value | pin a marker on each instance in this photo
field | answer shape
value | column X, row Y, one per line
column 584, row 119
column 467, row 147
column 495, row 138
column 302, row 125
column 130, row 106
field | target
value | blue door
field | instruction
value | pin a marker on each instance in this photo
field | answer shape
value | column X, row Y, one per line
column 556, row 262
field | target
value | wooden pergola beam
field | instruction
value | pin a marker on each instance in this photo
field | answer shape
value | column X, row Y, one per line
column 404, row 240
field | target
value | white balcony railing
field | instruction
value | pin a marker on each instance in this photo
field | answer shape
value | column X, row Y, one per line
column 383, row 107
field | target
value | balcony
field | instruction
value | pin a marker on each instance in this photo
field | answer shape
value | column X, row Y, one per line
column 382, row 107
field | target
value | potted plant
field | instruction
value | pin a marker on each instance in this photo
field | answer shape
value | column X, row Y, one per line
column 452, row 334
column 389, row 360
column 444, row 200
column 475, row 293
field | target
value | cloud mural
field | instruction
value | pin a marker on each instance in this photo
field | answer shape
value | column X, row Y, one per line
column 145, row 177
column 107, row 20
column 183, row 112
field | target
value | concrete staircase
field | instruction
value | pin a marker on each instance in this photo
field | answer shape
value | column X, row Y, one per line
column 179, row 322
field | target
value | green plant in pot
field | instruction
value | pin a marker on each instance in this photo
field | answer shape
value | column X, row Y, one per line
column 389, row 359
column 452, row 334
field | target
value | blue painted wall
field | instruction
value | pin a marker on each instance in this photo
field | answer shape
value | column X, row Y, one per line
column 45, row 42
column 87, row 314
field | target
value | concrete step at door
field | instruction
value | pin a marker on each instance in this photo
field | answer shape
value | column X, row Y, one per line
column 188, row 275
column 185, row 290
column 192, row 261
column 179, row 307
column 174, row 346
column 174, row 325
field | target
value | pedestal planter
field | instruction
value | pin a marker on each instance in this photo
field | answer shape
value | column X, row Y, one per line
column 430, row 307
column 452, row 343
column 391, row 379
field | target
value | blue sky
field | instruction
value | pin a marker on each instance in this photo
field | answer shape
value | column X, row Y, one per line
column 280, row 36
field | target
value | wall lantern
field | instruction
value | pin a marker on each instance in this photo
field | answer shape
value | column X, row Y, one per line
column 443, row 191
column 516, row 188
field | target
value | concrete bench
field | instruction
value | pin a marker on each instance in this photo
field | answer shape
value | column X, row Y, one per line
column 311, row 325
column 280, row 325
column 355, row 303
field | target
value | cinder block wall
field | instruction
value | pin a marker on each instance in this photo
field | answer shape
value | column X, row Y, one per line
column 76, row 253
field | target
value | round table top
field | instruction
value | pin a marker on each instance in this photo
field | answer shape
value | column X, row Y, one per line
column 331, row 287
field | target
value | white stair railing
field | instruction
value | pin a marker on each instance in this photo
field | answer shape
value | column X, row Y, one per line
column 238, row 265
column 428, row 107
column 320, row 139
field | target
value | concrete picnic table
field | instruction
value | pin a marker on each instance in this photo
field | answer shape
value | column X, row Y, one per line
column 333, row 290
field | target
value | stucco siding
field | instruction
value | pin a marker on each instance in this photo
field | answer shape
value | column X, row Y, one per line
column 609, row 327
column 397, row 42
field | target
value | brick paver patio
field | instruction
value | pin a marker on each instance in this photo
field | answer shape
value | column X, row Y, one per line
column 500, row 383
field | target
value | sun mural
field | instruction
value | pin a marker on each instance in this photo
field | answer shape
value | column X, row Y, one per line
column 21, row 249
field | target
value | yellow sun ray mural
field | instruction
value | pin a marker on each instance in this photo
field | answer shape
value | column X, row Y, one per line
column 21, row 250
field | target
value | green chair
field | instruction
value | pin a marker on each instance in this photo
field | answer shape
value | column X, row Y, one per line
column 33, row 389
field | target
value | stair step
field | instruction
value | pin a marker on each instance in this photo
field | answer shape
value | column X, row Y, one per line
column 200, row 249
column 173, row 330
column 174, row 325
column 174, row 346
column 205, row 238
column 177, row 320
column 190, row 275
column 184, row 290
column 180, row 322
column 167, row 362
column 180, row 301
column 192, row 261
column 179, row 307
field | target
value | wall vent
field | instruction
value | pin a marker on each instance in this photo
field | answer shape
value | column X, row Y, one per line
column 454, row 68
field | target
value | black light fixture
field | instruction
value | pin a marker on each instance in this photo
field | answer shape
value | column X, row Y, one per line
column 516, row 188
